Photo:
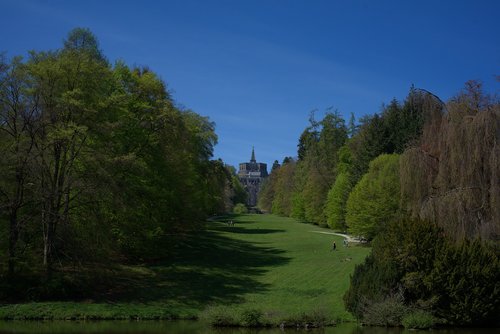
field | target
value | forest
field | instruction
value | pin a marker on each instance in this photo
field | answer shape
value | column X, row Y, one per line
column 420, row 182
column 98, row 166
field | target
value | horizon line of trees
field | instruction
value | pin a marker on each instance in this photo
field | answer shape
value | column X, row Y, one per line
column 334, row 157
column 421, row 157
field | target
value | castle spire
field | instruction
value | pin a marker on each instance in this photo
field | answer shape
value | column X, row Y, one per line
column 252, row 159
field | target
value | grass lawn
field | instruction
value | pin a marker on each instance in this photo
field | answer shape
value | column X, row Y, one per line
column 264, row 262
column 303, row 273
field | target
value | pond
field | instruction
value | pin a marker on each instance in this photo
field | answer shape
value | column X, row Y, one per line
column 191, row 327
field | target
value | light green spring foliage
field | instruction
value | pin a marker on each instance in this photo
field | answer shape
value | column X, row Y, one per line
column 114, row 165
column 267, row 191
column 275, row 194
column 240, row 208
column 328, row 148
column 318, row 157
column 282, row 202
column 375, row 199
column 298, row 210
column 297, row 197
column 335, row 209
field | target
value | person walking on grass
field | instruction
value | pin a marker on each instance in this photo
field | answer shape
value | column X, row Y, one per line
column 334, row 246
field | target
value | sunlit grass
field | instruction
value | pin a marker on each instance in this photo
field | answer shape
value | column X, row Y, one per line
column 313, row 277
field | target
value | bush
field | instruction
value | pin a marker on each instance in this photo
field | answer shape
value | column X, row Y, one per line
column 240, row 208
column 418, row 320
column 251, row 318
column 317, row 317
column 458, row 280
column 466, row 277
column 388, row 312
column 371, row 281
column 219, row 316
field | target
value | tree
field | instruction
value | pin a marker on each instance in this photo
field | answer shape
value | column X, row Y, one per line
column 98, row 164
column 71, row 86
column 451, row 174
column 352, row 127
column 17, row 127
column 82, row 40
column 335, row 209
column 391, row 131
column 320, row 164
column 367, row 144
column 267, row 191
column 336, row 202
column 374, row 201
column 282, row 201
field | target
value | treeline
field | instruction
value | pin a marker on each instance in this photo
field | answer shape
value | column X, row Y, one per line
column 98, row 165
column 336, row 170
column 420, row 181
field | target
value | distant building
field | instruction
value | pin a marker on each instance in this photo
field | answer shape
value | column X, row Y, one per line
column 251, row 175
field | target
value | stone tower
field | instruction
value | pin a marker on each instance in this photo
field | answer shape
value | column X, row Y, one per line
column 251, row 175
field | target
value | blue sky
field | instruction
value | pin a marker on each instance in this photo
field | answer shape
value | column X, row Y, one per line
column 257, row 68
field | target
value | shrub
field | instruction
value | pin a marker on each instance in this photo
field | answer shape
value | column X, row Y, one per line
column 371, row 281
column 418, row 320
column 466, row 277
column 317, row 317
column 219, row 316
column 388, row 312
column 240, row 208
column 459, row 280
column 251, row 318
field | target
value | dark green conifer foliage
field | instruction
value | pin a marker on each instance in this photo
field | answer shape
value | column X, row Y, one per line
column 457, row 282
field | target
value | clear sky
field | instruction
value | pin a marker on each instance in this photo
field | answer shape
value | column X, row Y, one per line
column 258, row 67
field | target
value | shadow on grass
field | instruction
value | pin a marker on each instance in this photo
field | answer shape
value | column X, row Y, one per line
column 242, row 230
column 204, row 268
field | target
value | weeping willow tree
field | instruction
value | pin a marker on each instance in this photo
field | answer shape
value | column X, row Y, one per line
column 452, row 175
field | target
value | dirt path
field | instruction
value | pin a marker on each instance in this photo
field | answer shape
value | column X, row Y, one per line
column 349, row 238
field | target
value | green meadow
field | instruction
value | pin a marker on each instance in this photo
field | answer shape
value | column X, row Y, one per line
column 264, row 262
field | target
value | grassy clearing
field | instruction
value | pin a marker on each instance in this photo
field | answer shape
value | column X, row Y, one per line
column 266, row 263
column 309, row 276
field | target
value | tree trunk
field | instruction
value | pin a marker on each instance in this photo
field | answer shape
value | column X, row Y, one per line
column 13, row 238
column 47, row 249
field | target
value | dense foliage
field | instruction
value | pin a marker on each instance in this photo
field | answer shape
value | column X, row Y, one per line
column 444, row 263
column 452, row 174
column 374, row 201
column 336, row 202
column 458, row 283
column 420, row 180
column 333, row 157
column 98, row 164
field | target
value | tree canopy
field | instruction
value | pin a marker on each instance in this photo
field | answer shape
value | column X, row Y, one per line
column 374, row 200
column 98, row 164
